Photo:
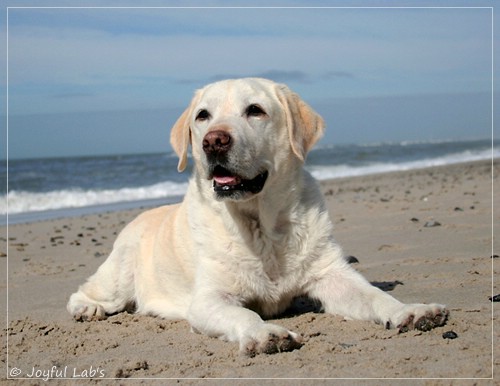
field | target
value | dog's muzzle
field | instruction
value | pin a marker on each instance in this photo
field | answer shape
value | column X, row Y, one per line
column 227, row 183
column 230, row 185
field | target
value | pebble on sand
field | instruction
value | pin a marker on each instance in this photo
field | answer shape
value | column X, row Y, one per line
column 450, row 335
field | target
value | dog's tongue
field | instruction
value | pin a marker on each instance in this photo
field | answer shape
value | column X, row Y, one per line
column 227, row 180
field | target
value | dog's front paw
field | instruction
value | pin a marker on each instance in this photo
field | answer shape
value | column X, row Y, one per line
column 423, row 317
column 270, row 339
column 82, row 309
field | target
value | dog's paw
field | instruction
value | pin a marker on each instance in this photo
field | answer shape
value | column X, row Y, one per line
column 82, row 309
column 423, row 317
column 270, row 339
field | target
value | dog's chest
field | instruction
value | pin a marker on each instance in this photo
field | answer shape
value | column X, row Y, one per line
column 267, row 247
column 256, row 261
column 267, row 283
column 265, row 267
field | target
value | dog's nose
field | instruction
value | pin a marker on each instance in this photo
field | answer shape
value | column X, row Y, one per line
column 217, row 142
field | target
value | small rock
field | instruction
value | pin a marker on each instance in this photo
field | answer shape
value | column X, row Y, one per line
column 431, row 224
column 351, row 260
column 450, row 335
column 495, row 298
column 414, row 219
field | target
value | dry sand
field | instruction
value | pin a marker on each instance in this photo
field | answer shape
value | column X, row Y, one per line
column 380, row 219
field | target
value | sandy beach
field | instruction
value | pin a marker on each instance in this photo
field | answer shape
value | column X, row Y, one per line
column 424, row 235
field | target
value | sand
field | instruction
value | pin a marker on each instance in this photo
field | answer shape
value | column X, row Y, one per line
column 424, row 235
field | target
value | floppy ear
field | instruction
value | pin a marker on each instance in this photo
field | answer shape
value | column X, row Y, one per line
column 304, row 125
column 180, row 137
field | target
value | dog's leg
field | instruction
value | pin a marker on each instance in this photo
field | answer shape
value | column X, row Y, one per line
column 108, row 291
column 343, row 291
column 225, row 317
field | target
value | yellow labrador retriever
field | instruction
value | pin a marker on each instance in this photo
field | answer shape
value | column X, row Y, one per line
column 252, row 232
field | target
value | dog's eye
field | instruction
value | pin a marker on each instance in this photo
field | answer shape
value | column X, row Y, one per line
column 202, row 115
column 255, row 111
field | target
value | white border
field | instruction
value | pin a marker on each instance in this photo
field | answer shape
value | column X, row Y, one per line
column 260, row 7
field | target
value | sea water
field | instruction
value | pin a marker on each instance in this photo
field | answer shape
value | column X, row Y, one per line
column 58, row 187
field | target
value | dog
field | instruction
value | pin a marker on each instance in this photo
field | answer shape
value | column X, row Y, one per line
column 251, row 234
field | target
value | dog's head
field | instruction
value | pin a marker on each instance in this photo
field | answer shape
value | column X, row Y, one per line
column 243, row 132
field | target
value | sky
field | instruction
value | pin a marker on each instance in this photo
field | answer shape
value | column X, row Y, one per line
column 92, row 81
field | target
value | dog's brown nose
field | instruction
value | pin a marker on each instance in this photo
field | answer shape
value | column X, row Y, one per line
column 217, row 142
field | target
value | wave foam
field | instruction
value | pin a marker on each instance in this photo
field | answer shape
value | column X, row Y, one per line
column 26, row 202
column 339, row 171
column 20, row 202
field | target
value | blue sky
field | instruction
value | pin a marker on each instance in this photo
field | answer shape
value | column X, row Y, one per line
column 85, row 81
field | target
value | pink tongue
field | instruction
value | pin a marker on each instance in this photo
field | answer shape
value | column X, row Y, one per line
column 226, row 180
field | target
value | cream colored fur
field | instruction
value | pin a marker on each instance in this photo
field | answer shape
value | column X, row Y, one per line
column 223, row 264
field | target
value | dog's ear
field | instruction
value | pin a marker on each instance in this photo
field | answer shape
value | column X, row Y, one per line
column 180, row 135
column 304, row 125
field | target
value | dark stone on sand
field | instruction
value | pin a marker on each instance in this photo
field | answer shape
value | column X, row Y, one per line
column 495, row 298
column 414, row 219
column 450, row 335
column 351, row 260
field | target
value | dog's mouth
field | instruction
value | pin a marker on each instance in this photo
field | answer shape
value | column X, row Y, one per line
column 226, row 182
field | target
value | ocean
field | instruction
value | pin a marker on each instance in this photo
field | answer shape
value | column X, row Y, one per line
column 40, row 189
